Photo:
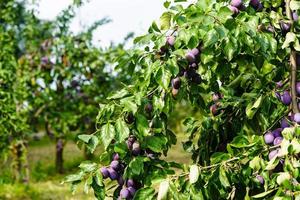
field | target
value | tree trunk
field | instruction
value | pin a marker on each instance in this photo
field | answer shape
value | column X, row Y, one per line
column 20, row 162
column 59, row 162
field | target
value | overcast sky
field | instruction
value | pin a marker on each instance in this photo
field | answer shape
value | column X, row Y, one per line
column 127, row 15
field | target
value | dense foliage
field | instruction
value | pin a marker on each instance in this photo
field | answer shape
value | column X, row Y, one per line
column 236, row 63
column 52, row 80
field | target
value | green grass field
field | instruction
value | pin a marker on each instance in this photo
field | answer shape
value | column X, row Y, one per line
column 45, row 184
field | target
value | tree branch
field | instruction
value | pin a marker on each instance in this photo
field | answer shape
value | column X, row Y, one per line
column 293, row 63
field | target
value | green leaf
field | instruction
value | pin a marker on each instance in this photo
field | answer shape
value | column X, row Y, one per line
column 129, row 104
column 88, row 166
column 144, row 194
column 194, row 174
column 107, row 134
column 255, row 163
column 294, row 5
column 289, row 38
column 142, row 125
column 163, row 77
column 251, row 109
column 119, row 94
column 122, row 130
column 223, row 178
column 137, row 165
column 74, row 177
column 165, row 20
column 85, row 138
column 93, row 143
column 163, row 190
column 283, row 176
column 211, row 38
column 155, row 143
column 263, row 194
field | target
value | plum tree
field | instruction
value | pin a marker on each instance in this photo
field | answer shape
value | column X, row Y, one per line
column 232, row 142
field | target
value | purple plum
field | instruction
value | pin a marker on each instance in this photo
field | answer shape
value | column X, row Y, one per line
column 277, row 132
column 233, row 9
column 285, row 26
column 124, row 193
column 148, row 107
column 278, row 95
column 272, row 154
column 236, row 3
column 277, row 140
column 260, row 179
column 214, row 109
column 279, row 84
column 113, row 175
column 286, row 98
column 120, row 181
column 115, row 165
column 104, row 172
column 116, row 156
column 194, row 66
column 284, row 123
column 297, row 118
column 136, row 149
column 295, row 16
column 131, row 190
column 176, row 82
column 190, row 57
column 298, row 88
column 171, row 40
column 195, row 52
column 215, row 97
column 175, row 92
column 269, row 138
column 130, row 183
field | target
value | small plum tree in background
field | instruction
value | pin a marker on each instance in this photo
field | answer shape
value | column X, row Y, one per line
column 236, row 63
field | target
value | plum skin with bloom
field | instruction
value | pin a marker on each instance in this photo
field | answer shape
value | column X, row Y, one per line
column 269, row 138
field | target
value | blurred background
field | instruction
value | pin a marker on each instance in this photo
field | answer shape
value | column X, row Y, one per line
column 60, row 59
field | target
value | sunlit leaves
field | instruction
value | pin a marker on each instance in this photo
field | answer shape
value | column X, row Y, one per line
column 107, row 133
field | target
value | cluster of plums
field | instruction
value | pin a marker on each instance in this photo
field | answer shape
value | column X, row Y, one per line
column 116, row 168
column 190, row 72
column 237, row 5
column 285, row 97
column 214, row 108
column 115, row 172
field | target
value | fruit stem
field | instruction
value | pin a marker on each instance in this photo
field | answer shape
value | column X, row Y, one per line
column 293, row 63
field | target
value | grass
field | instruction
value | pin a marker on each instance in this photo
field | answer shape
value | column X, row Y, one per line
column 45, row 183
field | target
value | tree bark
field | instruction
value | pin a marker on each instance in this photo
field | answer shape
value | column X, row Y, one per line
column 293, row 62
column 20, row 163
column 59, row 161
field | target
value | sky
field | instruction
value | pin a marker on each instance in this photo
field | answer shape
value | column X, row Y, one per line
column 126, row 15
